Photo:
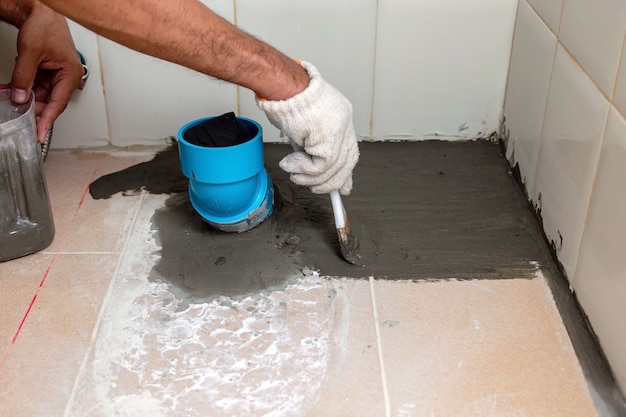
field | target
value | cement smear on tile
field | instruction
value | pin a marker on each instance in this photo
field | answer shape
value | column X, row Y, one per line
column 421, row 210
column 252, row 356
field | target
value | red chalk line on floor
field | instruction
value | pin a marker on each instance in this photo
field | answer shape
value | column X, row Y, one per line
column 44, row 277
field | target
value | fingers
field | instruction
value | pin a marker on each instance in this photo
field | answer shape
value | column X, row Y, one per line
column 26, row 65
column 57, row 102
column 47, row 64
column 323, row 175
column 346, row 188
column 301, row 163
column 326, row 188
column 49, row 103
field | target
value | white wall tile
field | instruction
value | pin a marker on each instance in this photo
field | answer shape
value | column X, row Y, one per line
column 8, row 38
column 619, row 98
column 550, row 11
column 575, row 118
column 337, row 36
column 600, row 279
column 532, row 58
column 453, row 80
column 84, row 122
column 441, row 67
column 593, row 32
column 148, row 99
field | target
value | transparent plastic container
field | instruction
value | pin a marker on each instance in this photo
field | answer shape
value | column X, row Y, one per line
column 26, row 223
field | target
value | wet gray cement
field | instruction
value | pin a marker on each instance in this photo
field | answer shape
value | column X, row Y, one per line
column 421, row 210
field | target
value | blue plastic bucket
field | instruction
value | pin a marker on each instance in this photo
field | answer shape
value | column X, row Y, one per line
column 228, row 186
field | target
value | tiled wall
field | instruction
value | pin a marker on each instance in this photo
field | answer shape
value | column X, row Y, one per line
column 565, row 128
column 413, row 69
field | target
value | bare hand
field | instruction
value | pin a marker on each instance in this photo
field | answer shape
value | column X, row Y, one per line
column 48, row 64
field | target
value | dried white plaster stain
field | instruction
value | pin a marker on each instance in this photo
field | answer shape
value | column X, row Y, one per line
column 258, row 356
column 265, row 355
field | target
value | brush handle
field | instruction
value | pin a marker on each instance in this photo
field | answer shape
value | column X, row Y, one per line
column 335, row 198
column 338, row 210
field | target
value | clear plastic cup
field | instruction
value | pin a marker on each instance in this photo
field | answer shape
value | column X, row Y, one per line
column 26, row 222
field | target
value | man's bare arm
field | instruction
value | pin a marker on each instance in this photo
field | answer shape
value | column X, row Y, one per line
column 15, row 11
column 188, row 33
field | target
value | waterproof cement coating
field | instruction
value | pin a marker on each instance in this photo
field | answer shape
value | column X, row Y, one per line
column 421, row 210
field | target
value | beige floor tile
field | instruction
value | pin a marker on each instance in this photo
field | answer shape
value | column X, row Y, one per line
column 82, row 223
column 98, row 226
column 352, row 385
column 38, row 375
column 457, row 348
column 253, row 356
column 19, row 282
column 478, row 348
column 283, row 353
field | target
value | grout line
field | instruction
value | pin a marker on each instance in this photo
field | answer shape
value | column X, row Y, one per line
column 543, row 20
column 558, row 30
column 8, row 350
column 508, row 72
column 103, row 90
column 374, row 62
column 383, row 374
column 544, row 121
column 80, row 253
column 105, row 302
column 590, row 199
column 237, row 87
column 620, row 63
column 608, row 96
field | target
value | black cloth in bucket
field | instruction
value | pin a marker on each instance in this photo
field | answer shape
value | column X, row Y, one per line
column 220, row 131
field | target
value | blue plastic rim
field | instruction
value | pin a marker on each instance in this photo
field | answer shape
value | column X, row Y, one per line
column 228, row 186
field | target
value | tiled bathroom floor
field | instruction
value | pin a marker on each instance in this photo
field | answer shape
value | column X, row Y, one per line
column 85, row 333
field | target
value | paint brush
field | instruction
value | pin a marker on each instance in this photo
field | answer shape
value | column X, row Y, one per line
column 348, row 245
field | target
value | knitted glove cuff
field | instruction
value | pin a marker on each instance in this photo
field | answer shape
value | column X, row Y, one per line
column 291, row 108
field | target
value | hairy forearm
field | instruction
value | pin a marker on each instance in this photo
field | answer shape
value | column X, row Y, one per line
column 16, row 11
column 188, row 33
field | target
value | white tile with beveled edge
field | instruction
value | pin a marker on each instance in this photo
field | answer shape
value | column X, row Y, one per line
column 149, row 99
column 8, row 39
column 441, row 67
column 619, row 96
column 574, row 122
column 532, row 59
column 337, row 36
column 84, row 121
column 600, row 280
column 593, row 32
column 550, row 11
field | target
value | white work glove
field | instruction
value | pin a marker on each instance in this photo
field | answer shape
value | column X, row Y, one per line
column 318, row 122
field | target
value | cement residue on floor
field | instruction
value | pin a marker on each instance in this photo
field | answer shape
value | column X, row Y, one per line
column 421, row 210
column 265, row 354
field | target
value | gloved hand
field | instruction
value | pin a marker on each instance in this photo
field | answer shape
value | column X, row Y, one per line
column 318, row 122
